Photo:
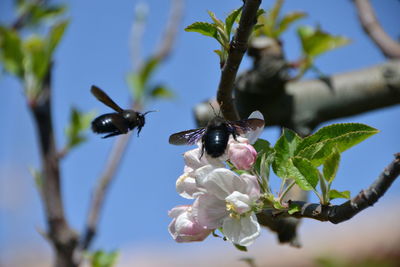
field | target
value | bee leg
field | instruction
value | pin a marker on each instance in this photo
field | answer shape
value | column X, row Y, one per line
column 111, row 134
column 202, row 147
column 202, row 152
column 234, row 135
column 139, row 129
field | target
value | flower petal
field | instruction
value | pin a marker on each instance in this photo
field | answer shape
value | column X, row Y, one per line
column 184, row 228
column 219, row 161
column 186, row 186
column 209, row 211
column 253, row 187
column 178, row 210
column 240, row 203
column 201, row 174
column 254, row 134
column 192, row 159
column 241, row 231
column 222, row 182
column 242, row 155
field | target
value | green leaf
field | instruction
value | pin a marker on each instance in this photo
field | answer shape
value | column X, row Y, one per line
column 304, row 173
column 318, row 146
column 36, row 58
column 135, row 85
column 315, row 41
column 331, row 165
column 36, row 13
column 138, row 82
column 278, row 205
column 260, row 12
column 161, row 91
column 55, row 35
column 265, row 157
column 258, row 27
column 274, row 13
column 217, row 21
column 11, row 55
column 148, row 69
column 250, row 261
column 285, row 148
column 220, row 54
column 79, row 122
column 288, row 20
column 101, row 258
column 262, row 145
column 37, row 176
column 293, row 208
column 241, row 248
column 270, row 20
column 230, row 20
column 207, row 29
column 336, row 194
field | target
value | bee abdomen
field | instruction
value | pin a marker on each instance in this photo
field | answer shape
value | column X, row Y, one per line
column 103, row 124
column 215, row 142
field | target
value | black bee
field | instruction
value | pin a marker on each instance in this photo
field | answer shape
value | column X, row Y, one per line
column 116, row 123
column 215, row 135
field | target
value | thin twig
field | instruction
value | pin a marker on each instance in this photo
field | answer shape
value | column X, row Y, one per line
column 366, row 15
column 120, row 146
column 366, row 198
column 171, row 31
column 137, row 31
column 238, row 47
column 101, row 190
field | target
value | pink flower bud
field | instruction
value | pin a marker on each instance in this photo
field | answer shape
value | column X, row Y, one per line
column 242, row 155
column 184, row 228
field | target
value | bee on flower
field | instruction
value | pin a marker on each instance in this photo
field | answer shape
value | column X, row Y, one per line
column 222, row 198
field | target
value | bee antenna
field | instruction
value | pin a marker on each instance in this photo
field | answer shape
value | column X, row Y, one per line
column 149, row 112
column 220, row 108
column 215, row 113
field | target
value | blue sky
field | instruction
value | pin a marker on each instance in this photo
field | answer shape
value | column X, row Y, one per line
column 95, row 50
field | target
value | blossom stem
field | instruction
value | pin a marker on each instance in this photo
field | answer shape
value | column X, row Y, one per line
column 281, row 187
column 324, row 190
column 321, row 199
column 264, row 187
column 283, row 194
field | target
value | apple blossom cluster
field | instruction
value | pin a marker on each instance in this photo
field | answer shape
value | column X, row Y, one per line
column 224, row 200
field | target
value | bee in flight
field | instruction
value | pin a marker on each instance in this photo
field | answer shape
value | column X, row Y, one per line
column 115, row 123
column 215, row 136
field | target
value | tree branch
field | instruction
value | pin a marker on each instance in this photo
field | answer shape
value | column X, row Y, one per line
column 121, row 144
column 63, row 238
column 366, row 198
column 286, row 230
column 302, row 105
column 102, row 188
column 237, row 49
column 371, row 26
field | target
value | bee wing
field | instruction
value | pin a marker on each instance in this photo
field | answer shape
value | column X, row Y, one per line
column 246, row 125
column 248, row 128
column 189, row 137
column 119, row 122
column 105, row 99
